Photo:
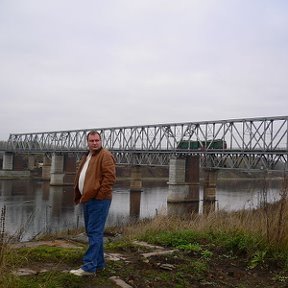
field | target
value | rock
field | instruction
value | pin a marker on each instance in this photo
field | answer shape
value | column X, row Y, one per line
column 144, row 244
column 167, row 266
column 25, row 272
column 114, row 257
column 155, row 253
column 120, row 282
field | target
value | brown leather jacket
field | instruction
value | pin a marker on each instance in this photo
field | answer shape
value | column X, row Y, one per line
column 100, row 177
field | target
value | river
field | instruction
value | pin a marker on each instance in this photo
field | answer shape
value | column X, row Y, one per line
column 35, row 207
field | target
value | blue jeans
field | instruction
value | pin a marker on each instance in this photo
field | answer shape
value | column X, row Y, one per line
column 95, row 215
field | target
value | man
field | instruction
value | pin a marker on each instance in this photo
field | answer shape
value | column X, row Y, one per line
column 93, row 189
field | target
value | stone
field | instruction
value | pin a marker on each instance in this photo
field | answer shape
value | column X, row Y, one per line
column 118, row 281
column 25, row 272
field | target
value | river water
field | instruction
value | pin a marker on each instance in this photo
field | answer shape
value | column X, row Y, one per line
column 35, row 207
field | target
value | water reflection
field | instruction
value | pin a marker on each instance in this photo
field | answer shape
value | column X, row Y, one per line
column 36, row 207
column 135, row 201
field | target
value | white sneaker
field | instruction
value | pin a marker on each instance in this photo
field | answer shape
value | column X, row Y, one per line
column 81, row 272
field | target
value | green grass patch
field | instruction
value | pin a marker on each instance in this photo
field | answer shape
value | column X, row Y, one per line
column 120, row 245
column 193, row 247
column 45, row 254
column 237, row 242
column 173, row 239
column 188, row 240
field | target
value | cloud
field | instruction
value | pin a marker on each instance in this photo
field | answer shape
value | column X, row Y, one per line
column 71, row 65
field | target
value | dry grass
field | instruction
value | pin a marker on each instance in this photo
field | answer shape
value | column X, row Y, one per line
column 2, row 234
column 3, row 244
column 269, row 221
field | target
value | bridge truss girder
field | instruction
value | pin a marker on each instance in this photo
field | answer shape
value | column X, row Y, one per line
column 253, row 140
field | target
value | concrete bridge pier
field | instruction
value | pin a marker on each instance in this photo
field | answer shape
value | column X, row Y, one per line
column 8, row 159
column 136, row 178
column 209, row 189
column 46, row 168
column 183, row 191
column 31, row 162
column 135, row 191
column 57, row 169
column 63, row 169
column 14, row 166
column 69, row 168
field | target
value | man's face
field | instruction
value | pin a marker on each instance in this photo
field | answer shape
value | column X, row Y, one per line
column 94, row 142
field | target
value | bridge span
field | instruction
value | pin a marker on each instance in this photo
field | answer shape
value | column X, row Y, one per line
column 247, row 144
column 253, row 143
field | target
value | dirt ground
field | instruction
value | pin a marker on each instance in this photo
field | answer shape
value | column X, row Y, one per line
column 145, row 266
column 189, row 269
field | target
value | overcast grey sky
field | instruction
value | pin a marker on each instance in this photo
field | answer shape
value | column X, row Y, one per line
column 67, row 64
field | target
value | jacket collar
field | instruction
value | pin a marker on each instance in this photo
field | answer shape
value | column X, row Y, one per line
column 94, row 152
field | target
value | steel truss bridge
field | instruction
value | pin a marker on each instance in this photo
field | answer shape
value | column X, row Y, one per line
column 253, row 143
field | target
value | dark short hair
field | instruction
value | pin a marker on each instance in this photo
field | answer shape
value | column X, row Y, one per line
column 93, row 132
